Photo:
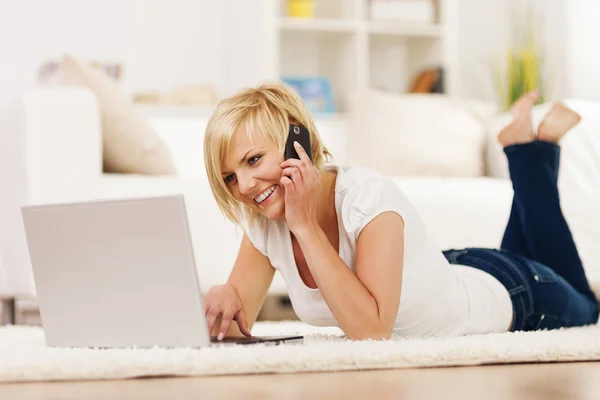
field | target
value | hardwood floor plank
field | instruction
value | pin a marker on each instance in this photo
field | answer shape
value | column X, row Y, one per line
column 524, row 381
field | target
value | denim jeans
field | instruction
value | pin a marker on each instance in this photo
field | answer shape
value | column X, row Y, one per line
column 538, row 262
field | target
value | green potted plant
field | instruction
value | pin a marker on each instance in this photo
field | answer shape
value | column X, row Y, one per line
column 523, row 67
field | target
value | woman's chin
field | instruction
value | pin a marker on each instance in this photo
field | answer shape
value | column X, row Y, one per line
column 273, row 211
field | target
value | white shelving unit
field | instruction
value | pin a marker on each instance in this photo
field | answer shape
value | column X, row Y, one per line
column 342, row 43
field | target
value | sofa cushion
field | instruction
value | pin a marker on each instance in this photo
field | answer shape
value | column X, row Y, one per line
column 130, row 145
column 461, row 212
column 417, row 134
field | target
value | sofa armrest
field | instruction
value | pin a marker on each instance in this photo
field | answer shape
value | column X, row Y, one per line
column 50, row 151
column 63, row 144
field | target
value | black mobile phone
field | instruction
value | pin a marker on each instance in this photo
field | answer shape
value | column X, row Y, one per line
column 301, row 135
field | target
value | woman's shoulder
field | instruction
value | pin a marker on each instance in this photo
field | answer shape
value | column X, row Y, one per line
column 356, row 176
column 265, row 234
column 257, row 230
column 364, row 193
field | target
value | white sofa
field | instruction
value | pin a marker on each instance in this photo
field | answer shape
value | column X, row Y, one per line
column 51, row 151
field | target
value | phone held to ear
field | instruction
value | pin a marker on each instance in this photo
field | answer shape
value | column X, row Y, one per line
column 301, row 135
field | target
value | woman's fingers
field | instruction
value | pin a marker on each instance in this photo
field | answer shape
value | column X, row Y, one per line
column 291, row 162
column 304, row 165
column 225, row 323
column 302, row 153
column 211, row 317
column 288, row 185
column 240, row 317
column 294, row 174
column 227, row 317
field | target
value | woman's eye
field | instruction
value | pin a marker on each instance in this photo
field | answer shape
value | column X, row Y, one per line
column 229, row 178
column 253, row 160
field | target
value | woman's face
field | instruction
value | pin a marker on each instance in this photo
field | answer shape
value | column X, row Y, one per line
column 252, row 172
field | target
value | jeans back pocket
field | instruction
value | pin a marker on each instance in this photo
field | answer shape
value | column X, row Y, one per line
column 540, row 272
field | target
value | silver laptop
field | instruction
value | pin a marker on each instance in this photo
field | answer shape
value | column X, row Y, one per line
column 119, row 273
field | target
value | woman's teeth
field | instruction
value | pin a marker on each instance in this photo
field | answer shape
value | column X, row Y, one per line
column 259, row 199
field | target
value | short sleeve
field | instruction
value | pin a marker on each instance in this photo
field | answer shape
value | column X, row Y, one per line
column 258, row 232
column 366, row 197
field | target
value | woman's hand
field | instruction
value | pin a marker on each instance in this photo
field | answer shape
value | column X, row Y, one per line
column 301, row 182
column 224, row 301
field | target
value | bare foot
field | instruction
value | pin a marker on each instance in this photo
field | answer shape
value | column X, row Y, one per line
column 557, row 123
column 521, row 129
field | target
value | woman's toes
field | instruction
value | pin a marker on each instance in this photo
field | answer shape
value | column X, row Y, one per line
column 557, row 123
column 521, row 129
column 522, row 107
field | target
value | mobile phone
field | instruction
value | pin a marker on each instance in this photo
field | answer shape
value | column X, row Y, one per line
column 301, row 135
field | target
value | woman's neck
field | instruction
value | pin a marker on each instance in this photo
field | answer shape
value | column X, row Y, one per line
column 326, row 213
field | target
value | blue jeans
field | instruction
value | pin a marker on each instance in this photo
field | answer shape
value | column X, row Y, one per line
column 538, row 262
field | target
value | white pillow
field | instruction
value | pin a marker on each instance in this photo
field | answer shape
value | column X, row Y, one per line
column 417, row 134
column 579, row 175
column 130, row 145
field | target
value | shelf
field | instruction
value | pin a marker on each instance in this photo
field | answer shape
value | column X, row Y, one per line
column 394, row 61
column 404, row 29
column 350, row 26
column 330, row 55
column 318, row 25
column 343, row 43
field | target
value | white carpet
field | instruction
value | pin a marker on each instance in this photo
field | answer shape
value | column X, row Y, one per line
column 25, row 357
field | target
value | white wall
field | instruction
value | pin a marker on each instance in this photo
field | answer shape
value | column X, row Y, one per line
column 583, row 53
column 163, row 44
column 484, row 34
column 479, row 41
column 160, row 43
column 178, row 42
column 250, row 44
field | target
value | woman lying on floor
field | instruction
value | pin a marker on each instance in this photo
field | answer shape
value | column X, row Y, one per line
column 353, row 250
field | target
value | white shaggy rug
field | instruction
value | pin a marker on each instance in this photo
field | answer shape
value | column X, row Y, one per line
column 25, row 357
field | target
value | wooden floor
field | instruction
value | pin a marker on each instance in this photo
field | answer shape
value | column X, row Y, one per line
column 527, row 381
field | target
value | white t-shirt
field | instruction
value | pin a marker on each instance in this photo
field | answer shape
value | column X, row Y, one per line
column 437, row 298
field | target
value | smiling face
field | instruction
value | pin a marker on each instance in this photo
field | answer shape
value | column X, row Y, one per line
column 252, row 125
column 252, row 173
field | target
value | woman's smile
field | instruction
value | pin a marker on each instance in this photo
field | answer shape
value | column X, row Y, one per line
column 266, row 195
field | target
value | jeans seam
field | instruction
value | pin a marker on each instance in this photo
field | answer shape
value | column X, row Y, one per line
column 524, row 281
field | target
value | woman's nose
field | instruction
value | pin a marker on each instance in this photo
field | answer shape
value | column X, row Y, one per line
column 247, row 185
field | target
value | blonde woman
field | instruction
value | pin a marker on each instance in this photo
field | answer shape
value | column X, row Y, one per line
column 354, row 252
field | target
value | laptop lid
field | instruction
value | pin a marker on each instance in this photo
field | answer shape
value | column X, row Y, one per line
column 116, row 273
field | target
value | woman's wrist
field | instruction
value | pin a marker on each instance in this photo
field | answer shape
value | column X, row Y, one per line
column 307, row 231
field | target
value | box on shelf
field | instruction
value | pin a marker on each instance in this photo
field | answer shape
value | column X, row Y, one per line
column 301, row 8
column 409, row 11
column 315, row 91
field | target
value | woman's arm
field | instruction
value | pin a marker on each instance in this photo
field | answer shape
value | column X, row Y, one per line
column 252, row 275
column 365, row 303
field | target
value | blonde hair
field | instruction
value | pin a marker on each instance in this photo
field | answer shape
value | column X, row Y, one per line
column 266, row 110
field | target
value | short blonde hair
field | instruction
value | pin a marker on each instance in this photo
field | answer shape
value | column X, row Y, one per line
column 266, row 110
